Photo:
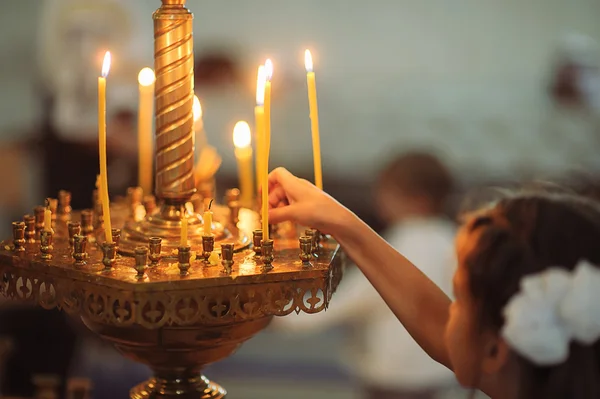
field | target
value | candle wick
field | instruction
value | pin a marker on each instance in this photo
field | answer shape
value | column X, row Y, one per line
column 210, row 204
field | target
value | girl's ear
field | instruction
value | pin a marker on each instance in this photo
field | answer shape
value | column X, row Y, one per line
column 495, row 356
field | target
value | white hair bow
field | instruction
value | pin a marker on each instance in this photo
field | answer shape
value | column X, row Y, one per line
column 551, row 309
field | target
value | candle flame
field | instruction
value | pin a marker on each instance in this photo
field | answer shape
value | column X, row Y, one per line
column 197, row 109
column 106, row 64
column 260, row 85
column 146, row 77
column 241, row 135
column 308, row 61
column 269, row 69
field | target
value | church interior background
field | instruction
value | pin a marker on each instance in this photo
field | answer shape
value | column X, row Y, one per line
column 478, row 82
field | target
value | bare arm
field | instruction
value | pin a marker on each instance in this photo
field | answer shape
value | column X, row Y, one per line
column 417, row 302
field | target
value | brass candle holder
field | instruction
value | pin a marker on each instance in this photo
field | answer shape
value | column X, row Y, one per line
column 79, row 249
column 38, row 213
column 46, row 244
column 267, row 254
column 227, row 257
column 64, row 204
column 73, row 228
column 154, row 246
column 208, row 246
column 29, row 228
column 257, row 238
column 87, row 228
column 141, row 261
column 175, row 325
column 109, row 254
column 18, row 236
column 183, row 255
column 306, row 250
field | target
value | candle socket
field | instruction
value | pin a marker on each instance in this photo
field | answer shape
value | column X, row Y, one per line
column 267, row 254
column 79, row 249
column 257, row 237
column 116, row 236
column 184, row 254
column 109, row 254
column 38, row 213
column 86, row 222
column 208, row 245
column 150, row 204
column 234, row 212
column 29, row 228
column 154, row 244
column 18, row 236
column 74, row 229
column 312, row 233
column 46, row 244
column 64, row 205
column 227, row 255
column 141, row 261
column 306, row 251
column 232, row 195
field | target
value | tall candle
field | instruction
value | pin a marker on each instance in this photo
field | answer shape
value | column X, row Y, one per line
column 184, row 232
column 242, row 138
column 259, row 122
column 146, row 81
column 208, row 220
column 314, row 117
column 102, row 146
column 263, row 153
column 269, row 73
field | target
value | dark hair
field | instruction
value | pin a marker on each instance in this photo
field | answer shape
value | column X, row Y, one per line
column 524, row 235
column 419, row 174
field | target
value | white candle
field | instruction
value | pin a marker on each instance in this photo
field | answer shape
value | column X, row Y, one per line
column 146, row 81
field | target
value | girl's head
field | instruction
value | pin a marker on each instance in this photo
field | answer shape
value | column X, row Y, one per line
column 496, row 248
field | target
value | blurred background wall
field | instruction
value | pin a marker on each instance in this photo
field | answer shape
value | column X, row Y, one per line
column 469, row 79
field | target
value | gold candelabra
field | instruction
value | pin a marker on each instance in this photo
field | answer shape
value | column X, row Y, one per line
column 173, row 307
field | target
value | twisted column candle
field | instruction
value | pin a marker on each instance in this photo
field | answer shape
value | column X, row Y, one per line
column 174, row 97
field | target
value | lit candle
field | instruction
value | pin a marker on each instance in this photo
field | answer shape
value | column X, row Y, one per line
column 243, row 153
column 208, row 220
column 146, row 81
column 102, row 146
column 314, row 117
column 184, row 232
column 269, row 73
column 263, row 150
column 259, row 122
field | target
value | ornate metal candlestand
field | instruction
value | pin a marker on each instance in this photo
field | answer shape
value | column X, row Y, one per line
column 168, row 306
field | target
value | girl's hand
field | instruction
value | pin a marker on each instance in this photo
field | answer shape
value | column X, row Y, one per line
column 297, row 200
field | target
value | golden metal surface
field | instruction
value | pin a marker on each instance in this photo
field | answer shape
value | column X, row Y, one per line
column 175, row 324
column 174, row 96
column 181, row 312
